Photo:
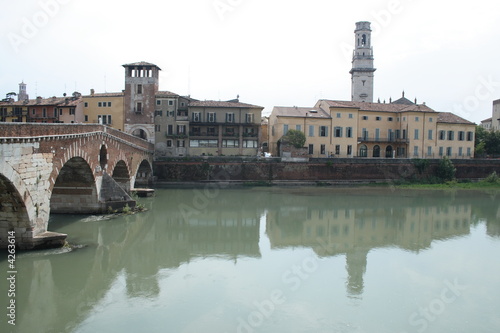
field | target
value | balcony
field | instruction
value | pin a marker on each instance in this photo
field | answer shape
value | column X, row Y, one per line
column 203, row 134
column 382, row 140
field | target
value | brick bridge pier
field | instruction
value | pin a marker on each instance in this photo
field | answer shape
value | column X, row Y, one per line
column 64, row 168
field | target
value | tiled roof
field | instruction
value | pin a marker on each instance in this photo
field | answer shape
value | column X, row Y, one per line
column 220, row 104
column 487, row 120
column 380, row 107
column 450, row 118
column 116, row 94
column 166, row 94
column 294, row 111
column 43, row 101
column 403, row 100
column 140, row 63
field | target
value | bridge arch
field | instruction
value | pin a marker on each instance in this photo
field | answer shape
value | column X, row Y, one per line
column 13, row 211
column 121, row 175
column 75, row 188
column 144, row 174
column 140, row 132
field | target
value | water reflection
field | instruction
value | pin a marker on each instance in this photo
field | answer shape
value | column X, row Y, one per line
column 61, row 291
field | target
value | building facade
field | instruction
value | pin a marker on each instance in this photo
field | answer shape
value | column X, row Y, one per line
column 104, row 108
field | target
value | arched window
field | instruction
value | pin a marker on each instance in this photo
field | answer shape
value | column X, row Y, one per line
column 376, row 151
column 388, row 151
column 363, row 151
column 363, row 40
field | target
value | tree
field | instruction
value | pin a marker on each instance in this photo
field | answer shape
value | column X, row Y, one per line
column 446, row 170
column 487, row 142
column 295, row 138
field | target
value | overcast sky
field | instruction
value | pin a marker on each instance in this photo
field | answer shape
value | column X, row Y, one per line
column 270, row 52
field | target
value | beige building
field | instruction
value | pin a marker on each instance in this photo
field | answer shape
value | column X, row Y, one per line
column 378, row 130
column 224, row 128
column 104, row 108
column 493, row 123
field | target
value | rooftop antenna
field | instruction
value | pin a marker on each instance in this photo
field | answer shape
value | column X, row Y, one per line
column 105, row 83
column 189, row 80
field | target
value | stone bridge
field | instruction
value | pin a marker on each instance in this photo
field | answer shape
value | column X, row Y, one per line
column 64, row 168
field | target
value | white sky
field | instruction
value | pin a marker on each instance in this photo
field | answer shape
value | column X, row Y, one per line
column 270, row 52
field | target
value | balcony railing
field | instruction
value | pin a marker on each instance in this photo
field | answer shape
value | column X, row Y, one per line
column 394, row 140
column 211, row 134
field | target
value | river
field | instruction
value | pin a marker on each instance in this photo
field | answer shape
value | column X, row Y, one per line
column 270, row 259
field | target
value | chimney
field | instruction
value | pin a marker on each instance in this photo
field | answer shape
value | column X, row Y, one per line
column 92, row 92
column 38, row 100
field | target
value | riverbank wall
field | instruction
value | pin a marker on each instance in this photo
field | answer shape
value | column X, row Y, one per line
column 315, row 170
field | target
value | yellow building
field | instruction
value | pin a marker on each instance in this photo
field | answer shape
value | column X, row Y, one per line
column 11, row 111
column 104, row 108
column 400, row 129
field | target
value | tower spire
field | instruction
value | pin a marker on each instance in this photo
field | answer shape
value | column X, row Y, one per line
column 362, row 64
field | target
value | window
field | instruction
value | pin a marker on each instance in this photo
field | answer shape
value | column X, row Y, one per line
column 323, row 131
column 60, row 112
column 365, row 134
column 337, row 149
column 460, row 151
column 72, row 111
column 230, row 117
column 468, row 151
column 390, row 119
column 404, row 118
column 230, row 143
column 249, row 144
column 348, row 132
column 181, row 143
column 349, row 150
column 378, row 118
column 249, row 118
column 417, row 119
column 157, row 128
column 158, row 102
column 451, row 135
column 323, row 150
column 311, row 149
column 390, row 134
column 431, row 120
column 429, row 151
column 181, row 129
column 338, row 115
column 211, row 117
column 99, row 104
column 470, row 136
column 285, row 129
column 159, row 113
column 104, row 119
column 170, row 129
column 311, row 130
column 298, row 127
column 415, row 151
column 109, row 104
column 404, row 134
column 138, row 108
column 196, row 117
column 203, row 143
column 377, row 133
column 365, row 117
column 169, row 143
column 44, row 113
column 86, row 104
column 139, row 89
column 338, row 131
column 442, row 135
column 461, row 136
column 211, row 131
column 416, row 134
column 86, row 118
column 351, row 116
column 398, row 134
column 448, row 151
column 170, row 102
column 440, row 151
column 429, row 135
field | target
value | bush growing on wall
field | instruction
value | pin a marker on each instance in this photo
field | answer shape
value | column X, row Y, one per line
column 446, row 170
column 295, row 138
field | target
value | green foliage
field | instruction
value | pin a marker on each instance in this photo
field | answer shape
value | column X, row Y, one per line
column 446, row 170
column 487, row 142
column 127, row 209
column 295, row 138
column 420, row 164
column 493, row 178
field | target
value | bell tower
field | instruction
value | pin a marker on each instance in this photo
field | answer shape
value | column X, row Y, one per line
column 362, row 64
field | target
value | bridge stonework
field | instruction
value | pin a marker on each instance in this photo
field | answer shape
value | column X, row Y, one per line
column 70, row 168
